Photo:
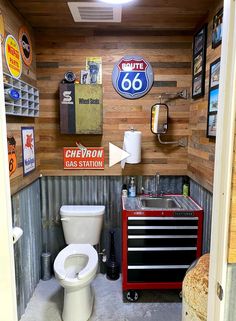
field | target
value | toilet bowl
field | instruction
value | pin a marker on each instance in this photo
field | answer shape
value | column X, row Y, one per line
column 76, row 265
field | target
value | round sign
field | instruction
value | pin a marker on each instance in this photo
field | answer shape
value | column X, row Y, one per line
column 2, row 29
column 13, row 56
column 132, row 77
column 25, row 46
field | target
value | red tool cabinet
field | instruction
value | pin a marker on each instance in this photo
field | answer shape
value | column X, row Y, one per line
column 158, row 247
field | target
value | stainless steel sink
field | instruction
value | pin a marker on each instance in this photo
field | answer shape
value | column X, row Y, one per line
column 163, row 202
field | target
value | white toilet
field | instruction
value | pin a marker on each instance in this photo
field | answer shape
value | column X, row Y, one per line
column 76, row 265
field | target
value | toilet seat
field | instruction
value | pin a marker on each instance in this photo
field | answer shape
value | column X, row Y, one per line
column 86, row 273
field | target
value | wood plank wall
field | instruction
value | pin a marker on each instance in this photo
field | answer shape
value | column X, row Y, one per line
column 13, row 21
column 61, row 50
column 232, row 224
column 201, row 150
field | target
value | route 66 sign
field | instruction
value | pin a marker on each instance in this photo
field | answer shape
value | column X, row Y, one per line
column 132, row 77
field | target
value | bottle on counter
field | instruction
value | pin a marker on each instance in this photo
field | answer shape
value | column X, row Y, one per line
column 186, row 186
column 124, row 190
column 132, row 188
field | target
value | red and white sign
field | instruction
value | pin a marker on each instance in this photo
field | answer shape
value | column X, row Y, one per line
column 83, row 158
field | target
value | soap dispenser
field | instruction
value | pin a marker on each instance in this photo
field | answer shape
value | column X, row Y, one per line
column 132, row 188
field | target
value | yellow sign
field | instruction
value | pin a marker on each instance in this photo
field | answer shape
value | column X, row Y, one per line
column 2, row 31
column 13, row 56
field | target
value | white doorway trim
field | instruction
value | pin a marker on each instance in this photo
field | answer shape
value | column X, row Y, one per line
column 7, row 271
column 223, row 165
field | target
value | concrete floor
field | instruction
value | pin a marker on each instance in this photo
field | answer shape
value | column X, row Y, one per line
column 46, row 304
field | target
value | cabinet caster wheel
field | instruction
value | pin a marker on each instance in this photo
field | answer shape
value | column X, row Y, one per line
column 132, row 296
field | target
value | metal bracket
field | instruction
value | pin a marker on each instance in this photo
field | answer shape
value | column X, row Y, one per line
column 183, row 142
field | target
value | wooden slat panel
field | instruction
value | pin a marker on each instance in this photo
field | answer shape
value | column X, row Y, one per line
column 146, row 15
column 13, row 21
column 172, row 67
column 201, row 151
column 232, row 224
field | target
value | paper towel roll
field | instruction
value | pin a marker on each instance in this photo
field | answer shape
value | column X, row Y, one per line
column 16, row 234
column 132, row 145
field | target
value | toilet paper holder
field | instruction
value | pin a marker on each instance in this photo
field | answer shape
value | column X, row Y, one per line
column 17, row 232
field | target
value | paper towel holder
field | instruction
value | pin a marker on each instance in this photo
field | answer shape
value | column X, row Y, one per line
column 159, row 124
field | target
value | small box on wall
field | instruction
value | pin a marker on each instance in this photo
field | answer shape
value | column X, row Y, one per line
column 81, row 109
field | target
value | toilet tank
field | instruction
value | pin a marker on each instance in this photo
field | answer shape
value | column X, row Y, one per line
column 82, row 223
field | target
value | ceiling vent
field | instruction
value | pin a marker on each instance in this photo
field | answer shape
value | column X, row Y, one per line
column 94, row 12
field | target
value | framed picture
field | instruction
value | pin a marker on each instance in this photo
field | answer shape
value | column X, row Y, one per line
column 211, row 126
column 217, row 29
column 215, row 73
column 199, row 61
column 28, row 149
column 213, row 98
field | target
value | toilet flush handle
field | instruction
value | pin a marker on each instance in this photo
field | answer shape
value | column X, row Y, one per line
column 65, row 219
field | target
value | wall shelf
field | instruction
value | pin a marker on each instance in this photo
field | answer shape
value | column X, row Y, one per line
column 28, row 103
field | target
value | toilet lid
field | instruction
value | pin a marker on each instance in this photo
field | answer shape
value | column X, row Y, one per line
column 76, row 249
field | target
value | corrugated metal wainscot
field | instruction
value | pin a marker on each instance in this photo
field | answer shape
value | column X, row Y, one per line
column 204, row 198
column 92, row 190
column 26, row 211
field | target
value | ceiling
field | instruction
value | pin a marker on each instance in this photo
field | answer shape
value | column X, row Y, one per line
column 146, row 15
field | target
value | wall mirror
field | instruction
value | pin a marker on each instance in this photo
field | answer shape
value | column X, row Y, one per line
column 159, row 119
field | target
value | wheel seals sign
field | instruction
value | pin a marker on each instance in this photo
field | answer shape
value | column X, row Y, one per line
column 132, row 77
column 25, row 45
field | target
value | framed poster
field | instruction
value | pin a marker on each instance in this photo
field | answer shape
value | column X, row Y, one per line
column 28, row 149
column 213, row 98
column 198, row 64
column 217, row 29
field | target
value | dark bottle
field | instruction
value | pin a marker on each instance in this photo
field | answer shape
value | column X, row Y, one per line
column 113, row 268
column 186, row 186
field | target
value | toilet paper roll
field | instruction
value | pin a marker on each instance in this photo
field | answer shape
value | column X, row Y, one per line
column 132, row 145
column 16, row 234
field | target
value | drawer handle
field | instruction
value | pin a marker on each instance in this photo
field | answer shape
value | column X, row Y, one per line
column 162, row 237
column 135, row 249
column 162, row 227
column 156, row 267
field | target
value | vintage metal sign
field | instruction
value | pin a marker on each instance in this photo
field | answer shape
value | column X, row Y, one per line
column 25, row 45
column 11, row 142
column 83, row 158
column 2, row 28
column 13, row 56
column 132, row 77
column 28, row 149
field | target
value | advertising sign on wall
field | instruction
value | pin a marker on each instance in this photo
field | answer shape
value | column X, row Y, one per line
column 132, row 77
column 2, row 29
column 25, row 45
column 28, row 149
column 11, row 143
column 83, row 158
column 13, row 56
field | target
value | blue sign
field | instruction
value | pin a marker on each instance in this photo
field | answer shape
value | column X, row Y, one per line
column 132, row 77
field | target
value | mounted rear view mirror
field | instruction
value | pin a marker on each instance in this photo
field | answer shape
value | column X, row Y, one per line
column 159, row 119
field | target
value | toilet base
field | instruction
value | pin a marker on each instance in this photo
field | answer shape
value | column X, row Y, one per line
column 78, row 304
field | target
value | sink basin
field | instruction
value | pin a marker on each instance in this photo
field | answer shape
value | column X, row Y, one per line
column 163, row 202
